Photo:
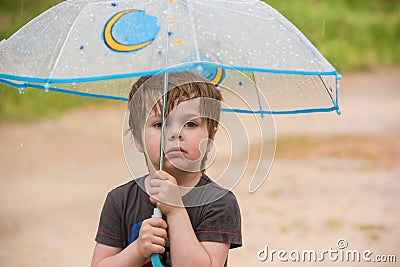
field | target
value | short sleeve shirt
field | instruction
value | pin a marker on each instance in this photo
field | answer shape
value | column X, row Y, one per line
column 213, row 211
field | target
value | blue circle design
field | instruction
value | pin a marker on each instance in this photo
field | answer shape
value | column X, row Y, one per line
column 214, row 74
column 130, row 30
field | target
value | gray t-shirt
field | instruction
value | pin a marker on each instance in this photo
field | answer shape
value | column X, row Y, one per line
column 214, row 214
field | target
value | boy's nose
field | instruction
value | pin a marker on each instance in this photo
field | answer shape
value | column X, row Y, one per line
column 175, row 134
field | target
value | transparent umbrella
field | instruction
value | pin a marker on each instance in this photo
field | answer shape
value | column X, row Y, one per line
column 76, row 44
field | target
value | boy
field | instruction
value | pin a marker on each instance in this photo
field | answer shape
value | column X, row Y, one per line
column 201, row 220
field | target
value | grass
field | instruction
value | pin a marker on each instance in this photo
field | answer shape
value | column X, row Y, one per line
column 333, row 224
column 15, row 13
column 34, row 104
column 372, row 231
column 351, row 34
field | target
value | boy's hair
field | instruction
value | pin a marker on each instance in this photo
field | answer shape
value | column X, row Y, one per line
column 146, row 95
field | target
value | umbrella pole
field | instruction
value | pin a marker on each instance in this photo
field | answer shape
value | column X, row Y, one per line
column 155, row 258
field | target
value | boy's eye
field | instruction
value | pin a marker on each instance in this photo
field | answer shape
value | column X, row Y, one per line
column 157, row 124
column 190, row 124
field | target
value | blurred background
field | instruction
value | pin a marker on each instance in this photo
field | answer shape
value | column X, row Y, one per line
column 333, row 176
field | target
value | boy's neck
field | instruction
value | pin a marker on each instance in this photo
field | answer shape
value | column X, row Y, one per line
column 187, row 179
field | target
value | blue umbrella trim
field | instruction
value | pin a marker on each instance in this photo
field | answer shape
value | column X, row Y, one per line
column 160, row 71
column 44, row 84
column 124, row 99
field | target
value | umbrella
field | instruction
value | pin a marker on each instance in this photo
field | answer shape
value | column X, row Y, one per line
column 260, row 61
column 76, row 44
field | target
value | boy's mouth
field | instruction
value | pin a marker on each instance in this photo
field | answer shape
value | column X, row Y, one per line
column 175, row 151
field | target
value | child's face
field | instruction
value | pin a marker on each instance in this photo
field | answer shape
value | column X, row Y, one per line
column 185, row 138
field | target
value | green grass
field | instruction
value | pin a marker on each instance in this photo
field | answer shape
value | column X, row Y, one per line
column 34, row 104
column 15, row 13
column 351, row 34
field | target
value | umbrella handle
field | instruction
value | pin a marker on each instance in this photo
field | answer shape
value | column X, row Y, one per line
column 155, row 258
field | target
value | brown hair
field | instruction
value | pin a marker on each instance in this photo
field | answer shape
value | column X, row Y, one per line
column 181, row 86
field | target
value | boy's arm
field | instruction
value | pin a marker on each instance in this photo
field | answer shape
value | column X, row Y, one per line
column 218, row 252
column 104, row 255
column 151, row 240
column 186, row 249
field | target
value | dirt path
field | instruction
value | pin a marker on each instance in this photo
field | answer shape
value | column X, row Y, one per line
column 55, row 175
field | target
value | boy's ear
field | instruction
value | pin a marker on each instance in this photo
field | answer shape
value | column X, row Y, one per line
column 138, row 145
column 211, row 141
column 215, row 132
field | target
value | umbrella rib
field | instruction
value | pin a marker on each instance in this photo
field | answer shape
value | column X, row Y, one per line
column 327, row 89
column 196, row 45
column 64, row 44
column 258, row 95
column 164, row 101
column 230, row 9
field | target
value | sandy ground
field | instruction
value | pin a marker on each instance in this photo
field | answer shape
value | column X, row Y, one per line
column 343, row 182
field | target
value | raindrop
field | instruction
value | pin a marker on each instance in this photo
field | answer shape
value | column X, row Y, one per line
column 22, row 89
column 46, row 87
column 81, row 47
column 240, row 83
column 113, row 4
column 199, row 69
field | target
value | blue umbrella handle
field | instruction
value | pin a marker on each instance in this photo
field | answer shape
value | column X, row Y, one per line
column 155, row 258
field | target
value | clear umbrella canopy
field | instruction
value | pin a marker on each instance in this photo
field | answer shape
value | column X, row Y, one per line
column 98, row 48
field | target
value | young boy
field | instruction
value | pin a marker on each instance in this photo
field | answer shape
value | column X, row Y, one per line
column 201, row 220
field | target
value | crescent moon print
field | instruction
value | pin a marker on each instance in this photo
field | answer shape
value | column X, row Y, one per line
column 130, row 30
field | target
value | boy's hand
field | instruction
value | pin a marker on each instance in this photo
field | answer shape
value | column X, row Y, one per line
column 152, row 236
column 164, row 191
